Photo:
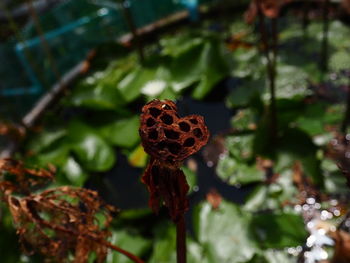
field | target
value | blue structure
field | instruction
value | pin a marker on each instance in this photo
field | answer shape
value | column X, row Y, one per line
column 72, row 29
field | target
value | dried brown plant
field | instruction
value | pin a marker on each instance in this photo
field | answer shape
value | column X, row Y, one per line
column 345, row 4
column 64, row 224
column 269, row 8
column 169, row 139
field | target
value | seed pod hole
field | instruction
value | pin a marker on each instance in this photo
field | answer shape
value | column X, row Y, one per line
column 155, row 112
column 194, row 121
column 153, row 135
column 198, row 133
column 161, row 145
column 184, row 126
column 167, row 119
column 170, row 134
column 150, row 122
column 174, row 147
column 189, row 142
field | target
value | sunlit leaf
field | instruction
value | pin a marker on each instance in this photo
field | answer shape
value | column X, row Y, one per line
column 92, row 151
column 74, row 172
column 235, row 173
column 130, row 86
column 340, row 60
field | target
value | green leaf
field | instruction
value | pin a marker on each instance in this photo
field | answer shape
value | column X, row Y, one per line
column 244, row 119
column 175, row 46
column 99, row 90
column 130, row 86
column 168, row 94
column 191, row 177
column 185, row 68
column 131, row 242
column 290, row 228
column 291, row 82
column 243, row 61
column 340, row 61
column 224, row 232
column 92, row 151
column 214, row 67
column 256, row 198
column 317, row 115
column 288, row 110
column 202, row 62
column 121, row 132
column 45, row 139
column 99, row 97
column 235, row 172
column 238, row 165
column 273, row 256
column 338, row 35
column 9, row 248
column 242, row 95
column 56, row 156
column 73, row 172
column 299, row 145
column 335, row 181
column 272, row 196
column 240, row 147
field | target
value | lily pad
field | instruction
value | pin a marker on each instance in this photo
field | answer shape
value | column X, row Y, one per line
column 121, row 132
column 92, row 151
column 224, row 232
column 290, row 228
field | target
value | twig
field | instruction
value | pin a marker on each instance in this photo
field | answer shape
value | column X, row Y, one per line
column 271, row 67
column 306, row 20
column 22, row 11
column 181, row 240
column 105, row 243
column 130, row 21
column 324, row 48
column 44, row 103
column 273, row 75
column 43, row 41
column 31, row 117
column 346, row 119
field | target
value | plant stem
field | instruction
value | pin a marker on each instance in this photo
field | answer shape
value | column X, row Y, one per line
column 273, row 80
column 136, row 38
column 181, row 240
column 305, row 21
column 324, row 50
column 271, row 68
column 346, row 119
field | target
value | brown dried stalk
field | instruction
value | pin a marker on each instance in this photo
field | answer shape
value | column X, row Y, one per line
column 169, row 139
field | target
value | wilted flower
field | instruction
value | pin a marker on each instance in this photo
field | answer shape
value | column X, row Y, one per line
column 169, row 139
